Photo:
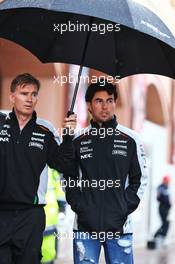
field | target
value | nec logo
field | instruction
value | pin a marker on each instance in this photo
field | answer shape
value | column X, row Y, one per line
column 5, row 139
column 86, row 156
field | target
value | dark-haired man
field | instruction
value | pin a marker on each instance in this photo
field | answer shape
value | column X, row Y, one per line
column 26, row 148
column 109, row 181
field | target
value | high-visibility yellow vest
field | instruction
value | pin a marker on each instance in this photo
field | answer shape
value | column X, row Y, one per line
column 51, row 210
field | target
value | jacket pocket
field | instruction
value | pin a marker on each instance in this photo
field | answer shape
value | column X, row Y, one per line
column 88, row 215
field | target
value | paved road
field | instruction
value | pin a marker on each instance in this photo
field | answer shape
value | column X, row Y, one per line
column 159, row 256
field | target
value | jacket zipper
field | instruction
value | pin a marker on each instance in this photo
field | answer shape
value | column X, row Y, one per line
column 101, row 215
column 18, row 139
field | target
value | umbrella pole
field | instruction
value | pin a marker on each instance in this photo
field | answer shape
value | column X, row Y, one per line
column 75, row 91
column 80, row 71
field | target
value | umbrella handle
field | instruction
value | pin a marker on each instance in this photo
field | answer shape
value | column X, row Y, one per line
column 66, row 130
column 70, row 113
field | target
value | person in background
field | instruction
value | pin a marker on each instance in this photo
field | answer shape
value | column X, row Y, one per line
column 163, row 197
column 50, row 243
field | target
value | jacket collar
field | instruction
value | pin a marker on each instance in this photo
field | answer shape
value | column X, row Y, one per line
column 14, row 119
column 110, row 123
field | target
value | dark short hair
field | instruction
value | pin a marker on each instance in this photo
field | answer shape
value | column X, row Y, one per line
column 23, row 79
column 93, row 88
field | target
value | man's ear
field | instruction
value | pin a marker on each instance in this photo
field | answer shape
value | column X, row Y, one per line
column 89, row 107
column 11, row 97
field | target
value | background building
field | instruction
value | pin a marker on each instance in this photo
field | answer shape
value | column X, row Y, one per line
column 146, row 104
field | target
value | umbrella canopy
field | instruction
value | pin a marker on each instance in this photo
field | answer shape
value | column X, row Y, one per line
column 126, row 12
column 62, row 37
column 87, row 33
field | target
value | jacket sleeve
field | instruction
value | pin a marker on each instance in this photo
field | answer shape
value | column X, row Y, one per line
column 73, row 189
column 60, row 157
column 137, row 178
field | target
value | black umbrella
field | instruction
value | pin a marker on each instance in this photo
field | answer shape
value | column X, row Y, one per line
column 142, row 43
column 125, row 12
